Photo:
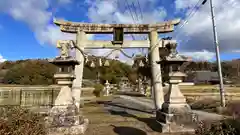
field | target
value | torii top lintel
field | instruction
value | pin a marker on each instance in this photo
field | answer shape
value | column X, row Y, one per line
column 91, row 28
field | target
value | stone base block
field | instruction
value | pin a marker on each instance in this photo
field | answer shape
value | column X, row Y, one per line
column 221, row 110
column 175, row 128
column 174, row 123
column 69, row 130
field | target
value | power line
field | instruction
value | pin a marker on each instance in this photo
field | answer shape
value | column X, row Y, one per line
column 130, row 11
column 140, row 9
column 136, row 13
column 141, row 18
column 189, row 16
column 132, row 14
column 137, row 17
column 193, row 12
column 228, row 2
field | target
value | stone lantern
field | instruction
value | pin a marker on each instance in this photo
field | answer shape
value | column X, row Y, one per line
column 145, row 87
column 64, row 117
column 107, row 88
column 175, row 111
column 65, row 71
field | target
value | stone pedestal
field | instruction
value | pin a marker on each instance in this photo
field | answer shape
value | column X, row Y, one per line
column 64, row 117
column 176, row 114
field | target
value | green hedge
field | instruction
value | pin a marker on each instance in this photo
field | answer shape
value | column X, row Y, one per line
column 98, row 88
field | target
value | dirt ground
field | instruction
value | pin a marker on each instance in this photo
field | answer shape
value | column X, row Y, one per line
column 103, row 122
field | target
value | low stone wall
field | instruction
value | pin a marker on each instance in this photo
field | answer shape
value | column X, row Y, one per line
column 201, row 96
column 35, row 95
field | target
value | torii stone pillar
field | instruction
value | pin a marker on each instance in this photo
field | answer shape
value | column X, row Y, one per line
column 156, row 70
column 77, row 83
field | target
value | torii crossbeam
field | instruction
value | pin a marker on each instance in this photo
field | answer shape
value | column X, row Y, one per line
column 98, row 44
column 90, row 28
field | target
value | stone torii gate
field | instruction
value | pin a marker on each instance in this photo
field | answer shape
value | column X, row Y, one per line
column 154, row 43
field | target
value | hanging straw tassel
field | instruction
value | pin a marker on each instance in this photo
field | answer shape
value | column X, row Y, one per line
column 92, row 64
column 141, row 63
column 100, row 61
column 86, row 59
column 106, row 64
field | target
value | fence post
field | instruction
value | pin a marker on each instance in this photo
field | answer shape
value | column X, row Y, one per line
column 20, row 97
column 52, row 102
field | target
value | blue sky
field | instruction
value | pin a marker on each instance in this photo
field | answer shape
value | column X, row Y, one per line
column 19, row 42
column 26, row 30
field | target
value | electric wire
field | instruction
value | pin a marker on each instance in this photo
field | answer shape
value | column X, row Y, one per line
column 189, row 16
column 226, row 3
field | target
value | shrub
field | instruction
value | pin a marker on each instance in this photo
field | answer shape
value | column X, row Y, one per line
column 19, row 121
column 233, row 109
column 190, row 100
column 206, row 104
column 30, row 72
column 98, row 88
column 223, row 127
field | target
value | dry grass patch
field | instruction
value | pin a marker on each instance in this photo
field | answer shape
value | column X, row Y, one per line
column 20, row 121
column 211, row 105
column 207, row 89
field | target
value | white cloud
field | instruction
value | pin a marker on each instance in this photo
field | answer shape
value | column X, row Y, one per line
column 110, row 11
column 183, row 4
column 2, row 59
column 200, row 56
column 236, row 51
column 199, row 27
column 36, row 15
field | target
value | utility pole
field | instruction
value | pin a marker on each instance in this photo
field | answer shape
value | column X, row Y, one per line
column 222, row 91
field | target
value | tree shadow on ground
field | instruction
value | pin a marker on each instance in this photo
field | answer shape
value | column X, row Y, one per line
column 123, row 130
column 133, row 94
column 151, row 121
column 110, row 103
